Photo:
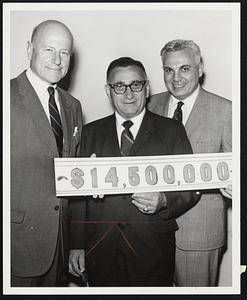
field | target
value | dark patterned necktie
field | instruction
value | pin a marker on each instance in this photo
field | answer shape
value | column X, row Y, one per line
column 178, row 114
column 127, row 139
column 56, row 123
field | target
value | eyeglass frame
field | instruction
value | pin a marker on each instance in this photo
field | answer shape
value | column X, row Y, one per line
column 143, row 83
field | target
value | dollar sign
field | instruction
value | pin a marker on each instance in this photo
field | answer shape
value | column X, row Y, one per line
column 77, row 180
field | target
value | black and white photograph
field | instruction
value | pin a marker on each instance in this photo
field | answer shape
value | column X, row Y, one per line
column 121, row 148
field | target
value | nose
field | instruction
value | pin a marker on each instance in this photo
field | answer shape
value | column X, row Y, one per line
column 128, row 93
column 57, row 58
column 177, row 75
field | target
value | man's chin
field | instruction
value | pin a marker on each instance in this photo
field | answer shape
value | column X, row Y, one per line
column 53, row 79
column 179, row 95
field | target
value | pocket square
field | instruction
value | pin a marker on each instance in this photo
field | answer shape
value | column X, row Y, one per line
column 75, row 131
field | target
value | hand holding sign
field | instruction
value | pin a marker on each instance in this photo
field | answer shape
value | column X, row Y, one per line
column 227, row 192
column 149, row 202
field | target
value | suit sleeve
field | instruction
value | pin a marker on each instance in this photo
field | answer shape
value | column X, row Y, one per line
column 179, row 202
column 227, row 132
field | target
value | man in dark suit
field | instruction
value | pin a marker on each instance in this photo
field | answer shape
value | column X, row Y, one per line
column 130, row 238
column 208, row 122
column 45, row 123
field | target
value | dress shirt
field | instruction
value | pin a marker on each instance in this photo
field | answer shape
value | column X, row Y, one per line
column 134, row 128
column 186, row 108
column 40, row 87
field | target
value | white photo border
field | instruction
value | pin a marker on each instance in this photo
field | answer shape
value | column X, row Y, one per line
column 235, row 10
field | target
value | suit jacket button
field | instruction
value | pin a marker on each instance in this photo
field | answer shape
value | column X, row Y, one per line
column 56, row 207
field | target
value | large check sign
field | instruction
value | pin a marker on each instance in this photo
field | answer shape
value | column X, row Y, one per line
column 117, row 175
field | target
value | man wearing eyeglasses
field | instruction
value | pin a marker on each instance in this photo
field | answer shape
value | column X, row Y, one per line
column 130, row 238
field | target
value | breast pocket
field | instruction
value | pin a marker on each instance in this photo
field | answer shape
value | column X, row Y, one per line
column 205, row 146
column 17, row 216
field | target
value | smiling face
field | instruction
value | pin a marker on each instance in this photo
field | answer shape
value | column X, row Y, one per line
column 129, row 104
column 50, row 51
column 181, row 73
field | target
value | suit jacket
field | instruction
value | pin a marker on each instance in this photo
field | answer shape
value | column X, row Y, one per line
column 36, row 212
column 146, row 233
column 209, row 129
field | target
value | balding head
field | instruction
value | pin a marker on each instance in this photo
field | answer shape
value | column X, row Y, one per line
column 49, row 50
column 48, row 25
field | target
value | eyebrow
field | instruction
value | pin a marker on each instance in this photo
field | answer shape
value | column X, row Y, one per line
column 185, row 66
column 122, row 82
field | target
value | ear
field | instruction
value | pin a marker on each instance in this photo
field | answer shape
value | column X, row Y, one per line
column 200, row 69
column 147, row 90
column 107, row 90
column 29, row 50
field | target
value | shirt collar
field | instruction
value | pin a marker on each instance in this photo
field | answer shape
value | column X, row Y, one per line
column 136, row 120
column 190, row 99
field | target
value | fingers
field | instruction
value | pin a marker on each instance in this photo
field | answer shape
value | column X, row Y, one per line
column 144, row 208
column 226, row 193
column 93, row 155
column 81, row 261
column 149, row 203
column 73, row 269
column 76, row 262
column 144, row 196
column 145, row 202
column 98, row 196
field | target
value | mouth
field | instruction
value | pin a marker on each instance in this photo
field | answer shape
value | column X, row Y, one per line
column 178, row 86
column 54, row 69
column 129, row 103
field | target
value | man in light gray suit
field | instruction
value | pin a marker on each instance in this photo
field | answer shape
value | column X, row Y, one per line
column 208, row 123
column 46, row 122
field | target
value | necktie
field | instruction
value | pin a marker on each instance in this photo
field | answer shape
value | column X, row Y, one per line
column 56, row 123
column 178, row 114
column 127, row 139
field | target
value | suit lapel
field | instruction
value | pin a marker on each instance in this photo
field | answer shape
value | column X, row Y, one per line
column 144, row 133
column 197, row 112
column 66, row 122
column 110, row 138
column 35, row 109
column 166, row 104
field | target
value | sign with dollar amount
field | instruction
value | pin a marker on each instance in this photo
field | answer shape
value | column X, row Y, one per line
column 117, row 175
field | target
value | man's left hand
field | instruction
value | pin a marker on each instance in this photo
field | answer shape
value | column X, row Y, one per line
column 227, row 192
column 77, row 262
column 149, row 203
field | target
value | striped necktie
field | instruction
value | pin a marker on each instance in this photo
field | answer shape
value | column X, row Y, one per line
column 127, row 139
column 56, row 123
column 178, row 114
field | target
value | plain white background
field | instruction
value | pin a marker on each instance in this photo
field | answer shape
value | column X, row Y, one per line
column 101, row 36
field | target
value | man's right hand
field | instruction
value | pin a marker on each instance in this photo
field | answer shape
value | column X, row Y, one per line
column 76, row 262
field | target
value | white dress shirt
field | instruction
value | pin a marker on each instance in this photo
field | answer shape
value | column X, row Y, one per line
column 40, row 88
column 186, row 108
column 133, row 129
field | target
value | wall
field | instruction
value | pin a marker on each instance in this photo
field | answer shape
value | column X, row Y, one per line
column 103, row 35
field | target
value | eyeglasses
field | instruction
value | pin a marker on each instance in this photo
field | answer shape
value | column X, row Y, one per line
column 135, row 86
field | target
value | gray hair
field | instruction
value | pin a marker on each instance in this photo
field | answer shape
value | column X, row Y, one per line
column 176, row 45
